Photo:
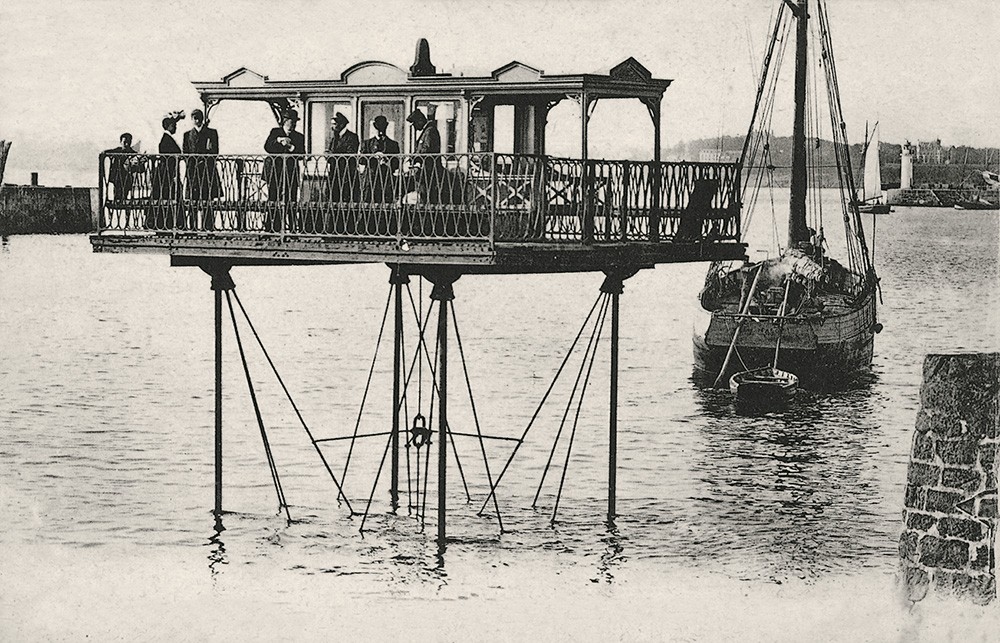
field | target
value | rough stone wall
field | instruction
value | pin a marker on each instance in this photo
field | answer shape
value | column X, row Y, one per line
column 950, row 513
column 26, row 209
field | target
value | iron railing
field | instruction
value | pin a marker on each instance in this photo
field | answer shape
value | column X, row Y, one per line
column 479, row 196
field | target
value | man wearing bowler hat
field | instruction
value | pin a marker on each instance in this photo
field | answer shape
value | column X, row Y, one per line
column 380, row 165
column 343, row 169
column 282, row 172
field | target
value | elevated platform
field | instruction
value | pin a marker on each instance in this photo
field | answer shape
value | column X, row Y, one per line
column 470, row 256
column 483, row 213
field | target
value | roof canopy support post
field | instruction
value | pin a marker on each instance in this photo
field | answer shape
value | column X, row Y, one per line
column 656, row 176
column 586, row 211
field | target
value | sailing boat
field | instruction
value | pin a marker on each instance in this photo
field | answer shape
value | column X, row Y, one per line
column 872, row 197
column 800, row 311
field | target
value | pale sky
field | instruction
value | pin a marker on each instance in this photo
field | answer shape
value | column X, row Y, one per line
column 73, row 75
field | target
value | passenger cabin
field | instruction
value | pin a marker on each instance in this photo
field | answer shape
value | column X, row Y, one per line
column 452, row 199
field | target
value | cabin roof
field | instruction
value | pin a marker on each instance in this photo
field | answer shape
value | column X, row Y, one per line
column 628, row 79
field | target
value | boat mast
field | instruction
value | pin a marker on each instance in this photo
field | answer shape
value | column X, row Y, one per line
column 798, row 232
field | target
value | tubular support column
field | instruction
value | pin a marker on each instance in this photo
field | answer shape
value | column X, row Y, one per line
column 442, row 293
column 613, row 285
column 221, row 281
column 398, row 279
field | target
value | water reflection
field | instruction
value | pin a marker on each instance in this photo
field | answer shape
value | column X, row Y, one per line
column 217, row 549
column 613, row 555
column 791, row 489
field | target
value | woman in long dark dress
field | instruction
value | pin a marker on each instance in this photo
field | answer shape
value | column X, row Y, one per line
column 166, row 185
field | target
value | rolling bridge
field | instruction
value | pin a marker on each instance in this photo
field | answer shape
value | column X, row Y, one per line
column 434, row 213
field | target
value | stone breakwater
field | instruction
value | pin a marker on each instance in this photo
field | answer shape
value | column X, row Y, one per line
column 34, row 209
column 950, row 512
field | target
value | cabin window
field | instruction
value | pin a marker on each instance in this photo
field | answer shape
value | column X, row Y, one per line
column 503, row 129
column 391, row 110
column 446, row 115
column 320, row 115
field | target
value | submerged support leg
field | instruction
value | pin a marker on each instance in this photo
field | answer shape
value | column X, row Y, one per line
column 398, row 279
column 443, row 293
column 613, row 417
column 613, row 285
column 221, row 281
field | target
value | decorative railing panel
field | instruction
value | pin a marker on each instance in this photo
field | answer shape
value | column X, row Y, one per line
column 486, row 196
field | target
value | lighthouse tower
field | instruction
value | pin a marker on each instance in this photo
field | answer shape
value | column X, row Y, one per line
column 906, row 167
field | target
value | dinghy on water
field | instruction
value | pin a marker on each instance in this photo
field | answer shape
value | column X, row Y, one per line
column 768, row 386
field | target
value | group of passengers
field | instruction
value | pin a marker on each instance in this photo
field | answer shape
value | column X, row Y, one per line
column 357, row 170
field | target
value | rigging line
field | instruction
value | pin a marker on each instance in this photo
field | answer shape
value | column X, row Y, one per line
column 378, row 474
column 576, row 418
column 858, row 227
column 817, row 117
column 538, row 410
column 368, row 383
column 771, row 74
column 295, row 406
column 763, row 78
column 569, row 403
column 475, row 414
column 282, row 504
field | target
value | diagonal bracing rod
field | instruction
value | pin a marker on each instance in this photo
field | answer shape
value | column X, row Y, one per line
column 267, row 356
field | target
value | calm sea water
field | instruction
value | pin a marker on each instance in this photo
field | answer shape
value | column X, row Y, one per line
column 731, row 527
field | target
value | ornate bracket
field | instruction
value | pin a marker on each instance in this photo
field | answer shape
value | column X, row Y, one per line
column 279, row 105
column 208, row 104
column 652, row 106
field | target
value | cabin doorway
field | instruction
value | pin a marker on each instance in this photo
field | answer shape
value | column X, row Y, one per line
column 392, row 111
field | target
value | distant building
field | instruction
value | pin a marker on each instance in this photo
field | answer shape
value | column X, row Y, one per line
column 717, row 156
column 930, row 152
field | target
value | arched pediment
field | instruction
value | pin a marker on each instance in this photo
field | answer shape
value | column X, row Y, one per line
column 516, row 72
column 373, row 72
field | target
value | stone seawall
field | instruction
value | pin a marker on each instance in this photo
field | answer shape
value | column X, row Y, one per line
column 950, row 512
column 30, row 209
column 938, row 197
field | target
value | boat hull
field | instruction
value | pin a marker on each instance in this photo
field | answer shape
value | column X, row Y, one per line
column 875, row 208
column 826, row 353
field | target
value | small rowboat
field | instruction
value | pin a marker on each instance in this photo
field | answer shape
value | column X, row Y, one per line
column 763, row 386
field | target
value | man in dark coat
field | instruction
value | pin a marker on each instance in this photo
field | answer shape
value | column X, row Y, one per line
column 282, row 173
column 378, row 185
column 343, row 169
column 120, row 168
column 428, row 170
column 121, row 174
column 166, row 184
column 203, row 182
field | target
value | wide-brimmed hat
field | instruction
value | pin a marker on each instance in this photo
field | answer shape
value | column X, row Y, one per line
column 290, row 114
column 340, row 118
column 416, row 115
